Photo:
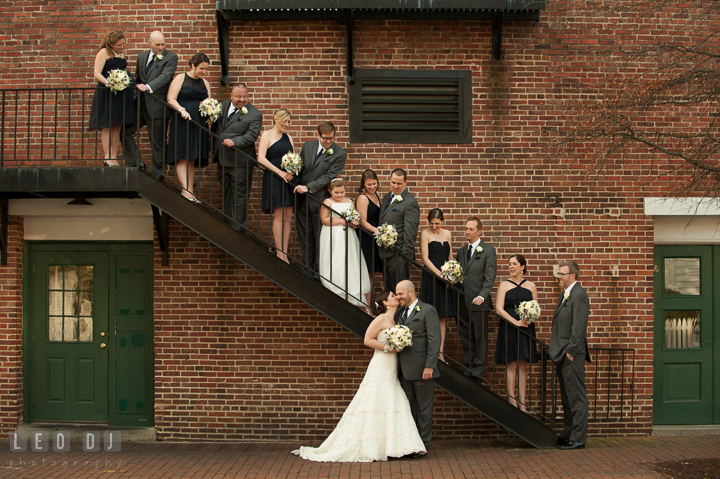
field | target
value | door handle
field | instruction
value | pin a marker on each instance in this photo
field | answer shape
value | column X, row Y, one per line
column 103, row 345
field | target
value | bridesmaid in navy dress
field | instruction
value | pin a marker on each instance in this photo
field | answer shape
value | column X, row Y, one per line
column 188, row 144
column 436, row 249
column 277, row 195
column 510, row 294
column 368, row 205
column 111, row 111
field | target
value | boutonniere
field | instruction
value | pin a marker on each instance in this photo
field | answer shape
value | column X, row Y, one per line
column 567, row 295
column 244, row 110
column 330, row 151
column 398, row 198
column 479, row 249
column 159, row 56
column 417, row 308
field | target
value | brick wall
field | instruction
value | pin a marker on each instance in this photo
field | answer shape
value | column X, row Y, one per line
column 238, row 358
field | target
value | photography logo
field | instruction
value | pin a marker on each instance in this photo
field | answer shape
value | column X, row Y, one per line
column 92, row 441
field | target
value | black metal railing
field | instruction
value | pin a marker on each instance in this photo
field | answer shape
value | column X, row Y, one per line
column 49, row 128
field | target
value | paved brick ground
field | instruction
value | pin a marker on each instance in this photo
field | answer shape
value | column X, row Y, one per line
column 604, row 457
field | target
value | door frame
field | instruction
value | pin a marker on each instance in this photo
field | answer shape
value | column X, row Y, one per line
column 114, row 250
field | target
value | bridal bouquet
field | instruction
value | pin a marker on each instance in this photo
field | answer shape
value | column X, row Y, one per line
column 118, row 80
column 452, row 271
column 210, row 108
column 528, row 311
column 399, row 337
column 386, row 236
column 352, row 216
column 292, row 163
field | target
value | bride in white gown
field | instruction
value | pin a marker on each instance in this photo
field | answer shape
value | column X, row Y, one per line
column 378, row 423
column 332, row 251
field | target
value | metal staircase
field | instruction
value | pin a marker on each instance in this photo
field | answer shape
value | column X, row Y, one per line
column 481, row 395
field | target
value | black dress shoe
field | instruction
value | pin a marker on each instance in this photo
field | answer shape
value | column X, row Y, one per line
column 417, row 455
column 573, row 445
column 561, row 441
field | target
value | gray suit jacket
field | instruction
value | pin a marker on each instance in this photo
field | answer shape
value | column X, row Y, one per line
column 569, row 328
column 405, row 216
column 479, row 274
column 317, row 174
column 158, row 79
column 425, row 326
column 242, row 129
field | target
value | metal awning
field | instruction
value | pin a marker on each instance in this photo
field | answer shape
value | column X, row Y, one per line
column 351, row 10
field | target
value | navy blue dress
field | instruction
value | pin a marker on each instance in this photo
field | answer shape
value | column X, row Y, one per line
column 367, row 241
column 110, row 109
column 188, row 141
column 528, row 351
column 435, row 290
column 275, row 192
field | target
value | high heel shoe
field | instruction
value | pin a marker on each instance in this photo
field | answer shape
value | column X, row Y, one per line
column 105, row 163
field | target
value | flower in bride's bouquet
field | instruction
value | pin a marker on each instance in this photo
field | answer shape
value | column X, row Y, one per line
column 352, row 216
column 399, row 337
column 211, row 109
column 452, row 271
column 528, row 311
column 386, row 235
column 291, row 162
column 118, row 80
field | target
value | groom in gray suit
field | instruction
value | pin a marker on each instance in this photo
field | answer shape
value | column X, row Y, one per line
column 417, row 364
column 154, row 71
column 323, row 160
column 479, row 263
column 401, row 209
column 569, row 351
column 238, row 128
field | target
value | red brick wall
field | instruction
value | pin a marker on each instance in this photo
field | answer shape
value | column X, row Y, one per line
column 238, row 358
column 11, row 321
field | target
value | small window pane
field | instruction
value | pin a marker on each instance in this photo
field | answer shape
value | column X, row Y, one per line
column 86, row 303
column 71, row 304
column 55, row 281
column 682, row 329
column 55, row 325
column 71, row 278
column 70, row 332
column 55, row 303
column 86, row 326
column 682, row 276
column 86, row 278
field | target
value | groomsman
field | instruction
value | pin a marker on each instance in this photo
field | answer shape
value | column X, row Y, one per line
column 400, row 209
column 569, row 351
column 153, row 73
column 238, row 128
column 323, row 160
column 417, row 364
column 479, row 263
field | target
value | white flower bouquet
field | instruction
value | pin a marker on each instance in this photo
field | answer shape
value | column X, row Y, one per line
column 528, row 311
column 399, row 337
column 386, row 235
column 351, row 215
column 210, row 108
column 292, row 163
column 118, row 80
column 452, row 271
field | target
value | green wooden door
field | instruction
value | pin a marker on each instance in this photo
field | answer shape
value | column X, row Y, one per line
column 683, row 335
column 68, row 336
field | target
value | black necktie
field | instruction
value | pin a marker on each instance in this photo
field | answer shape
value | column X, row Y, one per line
column 470, row 251
column 404, row 316
column 151, row 64
column 322, row 150
column 232, row 113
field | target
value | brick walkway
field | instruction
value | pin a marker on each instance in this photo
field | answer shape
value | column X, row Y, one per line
column 605, row 457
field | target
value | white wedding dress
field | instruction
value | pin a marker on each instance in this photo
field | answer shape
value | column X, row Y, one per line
column 377, row 423
column 332, row 257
